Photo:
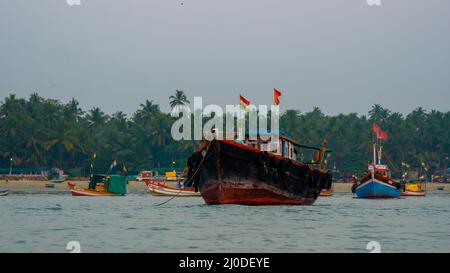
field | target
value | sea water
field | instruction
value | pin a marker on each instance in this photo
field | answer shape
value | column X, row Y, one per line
column 47, row 222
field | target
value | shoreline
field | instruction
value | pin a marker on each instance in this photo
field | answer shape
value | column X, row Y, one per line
column 39, row 186
column 137, row 186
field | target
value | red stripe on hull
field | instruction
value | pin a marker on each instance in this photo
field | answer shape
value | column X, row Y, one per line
column 78, row 194
column 381, row 196
column 249, row 193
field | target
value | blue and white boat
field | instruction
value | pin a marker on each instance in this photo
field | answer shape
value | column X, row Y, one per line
column 377, row 182
column 4, row 192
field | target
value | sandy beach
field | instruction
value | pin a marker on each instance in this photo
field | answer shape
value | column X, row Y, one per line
column 137, row 187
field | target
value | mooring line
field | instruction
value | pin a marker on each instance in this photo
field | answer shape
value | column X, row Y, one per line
column 198, row 168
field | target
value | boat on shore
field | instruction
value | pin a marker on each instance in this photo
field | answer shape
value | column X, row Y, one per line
column 58, row 181
column 145, row 175
column 161, row 189
column 377, row 181
column 257, row 172
column 101, row 185
column 413, row 189
column 440, row 188
column 327, row 193
column 4, row 192
column 50, row 186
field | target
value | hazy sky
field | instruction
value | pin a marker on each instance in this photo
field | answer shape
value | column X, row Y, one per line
column 341, row 55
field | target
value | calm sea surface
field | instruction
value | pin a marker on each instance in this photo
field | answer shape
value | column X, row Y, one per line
column 46, row 222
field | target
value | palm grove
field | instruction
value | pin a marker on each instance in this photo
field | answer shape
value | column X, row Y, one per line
column 38, row 132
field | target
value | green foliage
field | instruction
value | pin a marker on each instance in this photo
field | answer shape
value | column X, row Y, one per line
column 39, row 132
column 418, row 137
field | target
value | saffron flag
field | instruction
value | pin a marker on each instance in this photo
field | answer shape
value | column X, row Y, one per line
column 244, row 102
column 375, row 128
column 380, row 133
column 276, row 96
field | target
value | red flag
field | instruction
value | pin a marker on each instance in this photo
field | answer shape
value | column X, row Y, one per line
column 276, row 96
column 376, row 129
column 380, row 133
column 244, row 101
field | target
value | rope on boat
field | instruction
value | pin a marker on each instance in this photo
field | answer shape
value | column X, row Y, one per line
column 187, row 180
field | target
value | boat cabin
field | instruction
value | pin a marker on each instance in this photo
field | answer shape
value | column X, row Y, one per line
column 116, row 184
column 280, row 145
column 382, row 169
column 145, row 175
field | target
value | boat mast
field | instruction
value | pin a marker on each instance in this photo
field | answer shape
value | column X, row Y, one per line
column 380, row 151
column 374, row 153
column 372, row 171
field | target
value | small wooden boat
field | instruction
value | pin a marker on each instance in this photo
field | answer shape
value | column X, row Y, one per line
column 440, row 188
column 413, row 189
column 58, row 181
column 327, row 193
column 50, row 186
column 102, row 185
column 157, row 188
column 4, row 192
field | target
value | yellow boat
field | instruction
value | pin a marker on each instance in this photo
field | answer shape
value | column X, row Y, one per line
column 327, row 193
column 413, row 189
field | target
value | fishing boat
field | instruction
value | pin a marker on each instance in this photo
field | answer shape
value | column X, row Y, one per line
column 57, row 175
column 102, row 185
column 413, row 189
column 327, row 193
column 4, row 192
column 58, row 181
column 261, row 171
column 158, row 188
column 377, row 181
column 440, row 188
column 145, row 175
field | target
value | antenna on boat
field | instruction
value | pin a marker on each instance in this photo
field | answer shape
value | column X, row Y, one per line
column 380, row 152
column 94, row 155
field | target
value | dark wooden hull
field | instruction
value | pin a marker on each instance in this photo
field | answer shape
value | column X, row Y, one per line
column 226, row 172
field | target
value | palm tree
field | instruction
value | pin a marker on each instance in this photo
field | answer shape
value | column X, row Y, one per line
column 379, row 114
column 161, row 134
column 72, row 110
column 119, row 119
column 96, row 118
column 64, row 141
column 148, row 112
column 178, row 99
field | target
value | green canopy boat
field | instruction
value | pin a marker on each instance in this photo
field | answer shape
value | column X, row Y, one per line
column 102, row 185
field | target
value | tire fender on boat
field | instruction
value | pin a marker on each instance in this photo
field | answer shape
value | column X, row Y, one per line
column 276, row 172
column 309, row 176
column 263, row 157
column 284, row 174
column 330, row 180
